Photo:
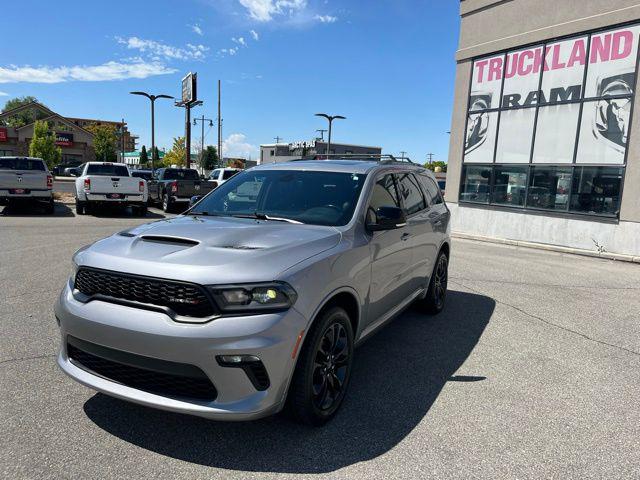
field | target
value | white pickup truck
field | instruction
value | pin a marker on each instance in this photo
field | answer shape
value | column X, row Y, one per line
column 25, row 179
column 102, row 183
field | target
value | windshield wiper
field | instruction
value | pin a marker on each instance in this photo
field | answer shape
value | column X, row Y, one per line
column 263, row 216
column 205, row 214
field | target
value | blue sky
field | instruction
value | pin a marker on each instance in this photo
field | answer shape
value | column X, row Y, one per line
column 387, row 65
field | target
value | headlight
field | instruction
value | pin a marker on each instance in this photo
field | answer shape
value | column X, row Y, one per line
column 254, row 298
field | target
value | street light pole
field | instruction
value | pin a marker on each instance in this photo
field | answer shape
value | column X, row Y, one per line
column 202, row 120
column 152, row 98
column 330, row 119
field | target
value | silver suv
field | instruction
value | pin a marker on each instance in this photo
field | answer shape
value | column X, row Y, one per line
column 255, row 298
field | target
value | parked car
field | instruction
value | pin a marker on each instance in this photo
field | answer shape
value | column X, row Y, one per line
column 221, row 175
column 25, row 179
column 62, row 169
column 173, row 187
column 248, row 304
column 146, row 174
column 104, row 183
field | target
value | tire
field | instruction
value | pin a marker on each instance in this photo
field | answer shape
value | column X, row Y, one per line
column 49, row 207
column 167, row 206
column 141, row 211
column 320, row 381
column 434, row 300
column 80, row 207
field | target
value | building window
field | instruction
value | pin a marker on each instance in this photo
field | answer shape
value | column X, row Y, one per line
column 536, row 115
column 271, row 152
column 475, row 184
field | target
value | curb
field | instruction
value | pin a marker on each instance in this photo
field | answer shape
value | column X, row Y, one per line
column 548, row 247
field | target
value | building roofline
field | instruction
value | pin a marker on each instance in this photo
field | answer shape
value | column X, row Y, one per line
column 60, row 117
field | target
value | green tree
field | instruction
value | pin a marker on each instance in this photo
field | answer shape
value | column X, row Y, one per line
column 105, row 140
column 177, row 155
column 24, row 117
column 144, row 158
column 436, row 163
column 209, row 158
column 43, row 144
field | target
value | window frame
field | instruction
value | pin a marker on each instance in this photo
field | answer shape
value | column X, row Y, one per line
column 580, row 101
column 426, row 205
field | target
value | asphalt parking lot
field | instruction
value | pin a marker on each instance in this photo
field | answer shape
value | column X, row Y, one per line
column 532, row 371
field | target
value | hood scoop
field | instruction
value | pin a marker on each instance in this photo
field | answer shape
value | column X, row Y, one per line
column 184, row 242
column 240, row 247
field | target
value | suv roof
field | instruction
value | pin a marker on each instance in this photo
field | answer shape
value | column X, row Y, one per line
column 339, row 165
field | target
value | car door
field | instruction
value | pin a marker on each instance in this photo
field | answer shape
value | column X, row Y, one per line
column 437, row 214
column 421, row 240
column 390, row 254
column 152, row 185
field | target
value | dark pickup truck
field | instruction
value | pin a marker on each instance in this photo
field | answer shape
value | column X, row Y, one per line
column 174, row 187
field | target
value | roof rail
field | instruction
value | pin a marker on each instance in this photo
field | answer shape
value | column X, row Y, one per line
column 366, row 157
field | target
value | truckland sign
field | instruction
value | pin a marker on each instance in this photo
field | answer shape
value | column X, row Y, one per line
column 578, row 89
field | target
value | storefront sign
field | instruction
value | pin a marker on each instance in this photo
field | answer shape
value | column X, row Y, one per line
column 3, row 134
column 64, row 139
column 544, row 91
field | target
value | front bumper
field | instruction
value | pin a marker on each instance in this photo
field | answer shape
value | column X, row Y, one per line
column 271, row 337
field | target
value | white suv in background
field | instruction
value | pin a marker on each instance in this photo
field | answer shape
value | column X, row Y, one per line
column 221, row 175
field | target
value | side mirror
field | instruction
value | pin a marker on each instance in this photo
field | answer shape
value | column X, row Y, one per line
column 193, row 200
column 73, row 172
column 388, row 218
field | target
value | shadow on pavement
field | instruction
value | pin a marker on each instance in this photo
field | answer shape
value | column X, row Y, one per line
column 398, row 374
column 115, row 212
column 35, row 209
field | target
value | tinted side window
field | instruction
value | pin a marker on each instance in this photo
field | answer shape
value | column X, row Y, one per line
column 7, row 163
column 384, row 194
column 29, row 164
column 411, row 193
column 431, row 190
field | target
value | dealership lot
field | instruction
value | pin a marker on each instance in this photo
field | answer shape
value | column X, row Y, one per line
column 532, row 371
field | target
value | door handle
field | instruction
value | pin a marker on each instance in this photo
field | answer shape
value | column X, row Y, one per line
column 405, row 236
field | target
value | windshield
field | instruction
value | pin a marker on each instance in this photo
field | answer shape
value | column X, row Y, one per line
column 227, row 174
column 107, row 169
column 172, row 174
column 319, row 198
column 21, row 164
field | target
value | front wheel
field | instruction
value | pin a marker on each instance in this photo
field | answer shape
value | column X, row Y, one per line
column 166, row 203
column 322, row 375
column 437, row 292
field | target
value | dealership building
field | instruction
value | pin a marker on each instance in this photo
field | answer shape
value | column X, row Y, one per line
column 544, row 147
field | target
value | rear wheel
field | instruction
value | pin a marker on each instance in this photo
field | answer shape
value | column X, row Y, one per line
column 322, row 375
column 437, row 292
column 166, row 203
column 49, row 207
column 80, row 207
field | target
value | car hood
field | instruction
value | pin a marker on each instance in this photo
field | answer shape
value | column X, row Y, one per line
column 210, row 250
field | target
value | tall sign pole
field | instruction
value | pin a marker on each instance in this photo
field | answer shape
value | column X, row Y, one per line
column 189, row 99
column 219, row 126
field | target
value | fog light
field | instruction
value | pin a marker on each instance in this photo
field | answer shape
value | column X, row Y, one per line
column 232, row 360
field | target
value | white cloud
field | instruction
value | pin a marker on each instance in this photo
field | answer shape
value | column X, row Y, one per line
column 325, row 18
column 265, row 10
column 159, row 49
column 4, row 94
column 254, row 35
column 236, row 145
column 239, row 41
column 83, row 73
column 196, row 29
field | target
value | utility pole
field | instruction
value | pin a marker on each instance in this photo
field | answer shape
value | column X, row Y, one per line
column 277, row 139
column 122, row 140
column 321, row 130
column 219, row 125
column 402, row 154
column 430, row 156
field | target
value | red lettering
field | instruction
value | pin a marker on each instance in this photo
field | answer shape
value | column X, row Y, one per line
column 578, row 54
column 537, row 61
column 480, row 66
column 495, row 68
column 600, row 48
column 622, row 44
column 555, row 60
column 522, row 68
column 511, row 67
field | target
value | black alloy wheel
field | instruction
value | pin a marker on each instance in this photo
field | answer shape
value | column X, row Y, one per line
column 437, row 293
column 322, row 373
column 330, row 367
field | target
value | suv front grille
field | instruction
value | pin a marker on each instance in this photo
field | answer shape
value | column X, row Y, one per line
column 161, row 377
column 183, row 298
